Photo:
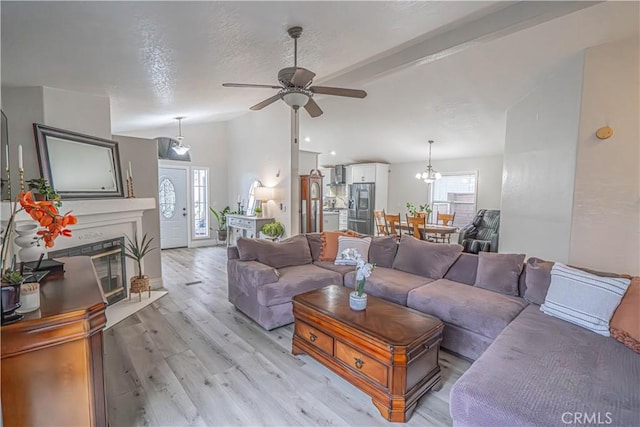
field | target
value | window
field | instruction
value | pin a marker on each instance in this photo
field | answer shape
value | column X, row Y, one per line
column 455, row 193
column 167, row 198
column 200, row 203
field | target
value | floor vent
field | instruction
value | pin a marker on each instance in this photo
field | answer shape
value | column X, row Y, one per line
column 197, row 282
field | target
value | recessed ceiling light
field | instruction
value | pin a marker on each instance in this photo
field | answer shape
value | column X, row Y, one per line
column 307, row 139
column 333, row 153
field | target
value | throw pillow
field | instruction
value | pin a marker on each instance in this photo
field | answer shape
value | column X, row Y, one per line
column 424, row 258
column 315, row 244
column 356, row 243
column 625, row 323
column 499, row 272
column 583, row 298
column 330, row 244
column 383, row 250
column 537, row 280
column 286, row 253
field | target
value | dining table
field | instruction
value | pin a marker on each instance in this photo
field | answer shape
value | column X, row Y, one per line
column 430, row 228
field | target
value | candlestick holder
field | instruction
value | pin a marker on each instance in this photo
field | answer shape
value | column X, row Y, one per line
column 8, row 183
column 130, row 194
column 21, row 175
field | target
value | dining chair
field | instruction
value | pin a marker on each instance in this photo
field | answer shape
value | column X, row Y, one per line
column 443, row 219
column 414, row 223
column 392, row 220
column 381, row 223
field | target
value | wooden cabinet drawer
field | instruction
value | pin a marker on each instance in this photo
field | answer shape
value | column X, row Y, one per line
column 240, row 223
column 318, row 339
column 362, row 363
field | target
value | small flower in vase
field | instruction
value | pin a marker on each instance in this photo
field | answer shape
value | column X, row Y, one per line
column 363, row 271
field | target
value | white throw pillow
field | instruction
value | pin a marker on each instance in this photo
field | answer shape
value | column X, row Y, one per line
column 582, row 298
column 356, row 243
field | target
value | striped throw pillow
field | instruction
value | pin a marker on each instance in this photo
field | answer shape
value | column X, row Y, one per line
column 357, row 243
column 582, row 298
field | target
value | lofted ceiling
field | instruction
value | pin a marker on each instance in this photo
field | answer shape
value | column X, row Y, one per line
column 158, row 60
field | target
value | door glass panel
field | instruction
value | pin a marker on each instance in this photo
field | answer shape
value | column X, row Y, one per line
column 200, row 203
column 315, row 190
column 167, row 198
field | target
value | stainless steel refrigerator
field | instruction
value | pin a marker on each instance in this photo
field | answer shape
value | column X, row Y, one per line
column 361, row 203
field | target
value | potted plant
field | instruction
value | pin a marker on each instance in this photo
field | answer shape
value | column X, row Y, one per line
column 357, row 298
column 273, row 230
column 136, row 250
column 11, row 282
column 43, row 191
column 421, row 208
column 221, row 217
column 258, row 211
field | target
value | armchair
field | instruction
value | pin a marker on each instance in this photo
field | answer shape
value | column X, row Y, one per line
column 482, row 234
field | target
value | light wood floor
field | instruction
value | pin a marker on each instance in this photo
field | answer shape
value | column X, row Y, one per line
column 191, row 358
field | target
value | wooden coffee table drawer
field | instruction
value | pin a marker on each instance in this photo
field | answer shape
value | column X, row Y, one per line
column 362, row 363
column 318, row 339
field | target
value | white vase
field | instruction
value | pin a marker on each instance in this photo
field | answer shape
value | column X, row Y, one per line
column 28, row 241
column 29, row 297
column 356, row 302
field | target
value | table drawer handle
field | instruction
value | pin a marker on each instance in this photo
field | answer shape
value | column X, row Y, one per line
column 359, row 362
column 312, row 337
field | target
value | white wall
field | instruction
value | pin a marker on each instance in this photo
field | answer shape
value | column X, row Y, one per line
column 259, row 147
column 605, row 229
column 404, row 187
column 78, row 112
column 539, row 166
column 208, row 143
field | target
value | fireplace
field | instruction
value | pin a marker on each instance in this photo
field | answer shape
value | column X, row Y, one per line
column 109, row 261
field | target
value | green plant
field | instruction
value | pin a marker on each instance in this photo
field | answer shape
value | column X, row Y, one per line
column 137, row 250
column 422, row 208
column 41, row 186
column 13, row 277
column 221, row 216
column 258, row 210
column 273, row 229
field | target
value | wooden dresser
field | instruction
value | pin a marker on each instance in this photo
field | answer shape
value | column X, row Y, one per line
column 388, row 351
column 52, row 369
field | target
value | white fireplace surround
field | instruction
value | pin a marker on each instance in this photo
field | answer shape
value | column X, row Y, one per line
column 98, row 220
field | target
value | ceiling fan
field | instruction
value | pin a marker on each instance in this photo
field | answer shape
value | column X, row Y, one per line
column 295, row 85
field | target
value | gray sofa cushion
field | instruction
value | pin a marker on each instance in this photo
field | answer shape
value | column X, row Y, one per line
column 330, row 265
column 392, row 285
column 464, row 269
column 383, row 251
column 540, row 368
column 296, row 280
column 481, row 311
column 315, row 244
column 289, row 252
column 537, row 280
column 424, row 258
column 499, row 272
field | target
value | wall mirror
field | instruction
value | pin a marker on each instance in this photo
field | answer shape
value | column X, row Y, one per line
column 252, row 203
column 78, row 166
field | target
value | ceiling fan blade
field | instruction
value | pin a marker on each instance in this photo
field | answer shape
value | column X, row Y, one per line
column 266, row 102
column 250, row 85
column 302, row 77
column 338, row 91
column 312, row 108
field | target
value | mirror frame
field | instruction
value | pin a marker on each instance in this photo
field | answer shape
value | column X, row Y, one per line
column 42, row 133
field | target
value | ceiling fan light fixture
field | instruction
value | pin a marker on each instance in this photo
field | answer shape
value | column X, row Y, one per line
column 295, row 99
column 180, row 148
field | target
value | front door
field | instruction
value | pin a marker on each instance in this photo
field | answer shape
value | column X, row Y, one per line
column 174, row 224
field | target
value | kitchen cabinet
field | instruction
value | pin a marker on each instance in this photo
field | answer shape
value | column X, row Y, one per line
column 343, row 222
column 331, row 221
column 363, row 173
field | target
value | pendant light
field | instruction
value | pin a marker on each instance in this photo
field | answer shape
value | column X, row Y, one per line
column 180, row 149
column 429, row 175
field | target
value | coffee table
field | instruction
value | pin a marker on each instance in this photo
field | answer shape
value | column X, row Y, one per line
column 388, row 351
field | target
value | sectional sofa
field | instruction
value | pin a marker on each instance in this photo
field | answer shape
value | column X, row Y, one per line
column 529, row 368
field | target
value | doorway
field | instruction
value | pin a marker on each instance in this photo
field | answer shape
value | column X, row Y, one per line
column 172, row 198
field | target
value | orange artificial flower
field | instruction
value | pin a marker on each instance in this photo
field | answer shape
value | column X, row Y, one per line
column 47, row 215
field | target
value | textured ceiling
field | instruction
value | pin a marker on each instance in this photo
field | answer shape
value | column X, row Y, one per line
column 158, row 60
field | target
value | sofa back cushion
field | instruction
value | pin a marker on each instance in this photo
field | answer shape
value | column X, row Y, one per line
column 383, row 251
column 537, row 280
column 329, row 239
column 464, row 269
column 425, row 258
column 499, row 272
column 315, row 245
column 287, row 253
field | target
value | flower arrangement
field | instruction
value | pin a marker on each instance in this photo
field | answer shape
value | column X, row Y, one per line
column 46, row 214
column 363, row 268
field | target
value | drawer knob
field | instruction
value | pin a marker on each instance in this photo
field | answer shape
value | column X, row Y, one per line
column 359, row 362
column 312, row 337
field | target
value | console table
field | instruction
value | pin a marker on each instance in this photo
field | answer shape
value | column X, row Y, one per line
column 52, row 369
column 249, row 225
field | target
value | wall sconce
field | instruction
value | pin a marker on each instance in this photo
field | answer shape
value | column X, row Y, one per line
column 604, row 132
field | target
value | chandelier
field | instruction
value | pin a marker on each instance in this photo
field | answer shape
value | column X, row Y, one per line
column 180, row 148
column 429, row 175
